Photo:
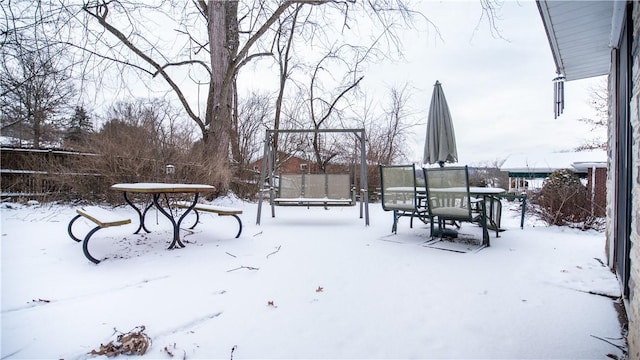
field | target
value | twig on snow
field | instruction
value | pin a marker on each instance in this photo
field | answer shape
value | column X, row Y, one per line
column 277, row 249
column 244, row 267
column 600, row 261
column 620, row 347
column 591, row 292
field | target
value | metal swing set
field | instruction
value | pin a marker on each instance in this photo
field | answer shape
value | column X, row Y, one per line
column 306, row 189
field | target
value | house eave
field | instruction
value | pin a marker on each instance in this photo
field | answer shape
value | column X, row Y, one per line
column 581, row 35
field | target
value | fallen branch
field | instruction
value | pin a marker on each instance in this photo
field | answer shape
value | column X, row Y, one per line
column 620, row 347
column 601, row 262
column 591, row 292
column 166, row 350
column 244, row 267
column 41, row 301
column 277, row 249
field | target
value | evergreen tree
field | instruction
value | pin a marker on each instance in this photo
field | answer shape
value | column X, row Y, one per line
column 79, row 127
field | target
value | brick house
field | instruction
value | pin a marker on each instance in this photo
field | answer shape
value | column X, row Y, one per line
column 594, row 38
column 596, row 178
column 288, row 164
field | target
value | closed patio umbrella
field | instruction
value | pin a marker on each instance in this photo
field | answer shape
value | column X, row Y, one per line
column 440, row 143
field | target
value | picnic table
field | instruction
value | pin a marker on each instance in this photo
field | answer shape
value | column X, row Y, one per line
column 158, row 190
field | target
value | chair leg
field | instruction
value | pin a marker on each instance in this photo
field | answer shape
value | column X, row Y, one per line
column 485, row 231
column 524, row 206
column 394, row 227
column 431, row 225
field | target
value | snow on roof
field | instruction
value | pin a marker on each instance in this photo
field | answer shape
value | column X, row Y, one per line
column 548, row 162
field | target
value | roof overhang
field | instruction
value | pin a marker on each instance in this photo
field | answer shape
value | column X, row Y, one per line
column 581, row 35
column 584, row 166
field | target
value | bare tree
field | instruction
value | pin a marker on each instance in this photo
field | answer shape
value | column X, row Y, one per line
column 599, row 101
column 282, row 43
column 489, row 174
column 156, row 127
column 36, row 93
column 387, row 133
column 244, row 26
column 255, row 114
column 324, row 106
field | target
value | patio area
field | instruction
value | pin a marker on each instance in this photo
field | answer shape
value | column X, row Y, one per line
column 310, row 283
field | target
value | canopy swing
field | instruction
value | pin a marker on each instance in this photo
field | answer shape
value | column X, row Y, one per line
column 304, row 188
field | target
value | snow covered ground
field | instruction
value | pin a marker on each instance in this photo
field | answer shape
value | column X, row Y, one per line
column 309, row 283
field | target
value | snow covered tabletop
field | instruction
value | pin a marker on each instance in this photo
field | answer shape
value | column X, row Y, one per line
column 162, row 188
column 472, row 189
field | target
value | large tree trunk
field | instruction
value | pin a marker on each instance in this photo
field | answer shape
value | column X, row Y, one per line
column 233, row 41
column 217, row 143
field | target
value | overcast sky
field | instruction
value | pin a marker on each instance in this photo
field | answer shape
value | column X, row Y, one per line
column 499, row 91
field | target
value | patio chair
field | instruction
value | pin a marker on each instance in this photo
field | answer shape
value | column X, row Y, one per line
column 448, row 199
column 398, row 191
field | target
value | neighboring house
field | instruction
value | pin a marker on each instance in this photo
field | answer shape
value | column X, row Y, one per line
column 593, row 38
column 287, row 163
column 291, row 164
column 528, row 172
column 534, row 168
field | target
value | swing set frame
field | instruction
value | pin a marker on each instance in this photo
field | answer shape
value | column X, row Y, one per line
column 325, row 190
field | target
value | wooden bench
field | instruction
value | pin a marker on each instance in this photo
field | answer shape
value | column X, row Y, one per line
column 102, row 218
column 220, row 210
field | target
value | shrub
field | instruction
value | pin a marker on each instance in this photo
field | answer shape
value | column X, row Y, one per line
column 563, row 200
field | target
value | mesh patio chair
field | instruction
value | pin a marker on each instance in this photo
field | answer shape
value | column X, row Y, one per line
column 398, row 188
column 448, row 199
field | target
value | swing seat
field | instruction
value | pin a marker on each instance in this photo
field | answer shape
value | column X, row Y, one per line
column 315, row 190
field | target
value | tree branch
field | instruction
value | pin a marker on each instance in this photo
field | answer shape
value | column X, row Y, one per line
column 335, row 101
column 180, row 63
column 125, row 41
column 105, row 57
column 251, row 57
